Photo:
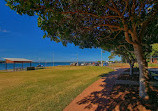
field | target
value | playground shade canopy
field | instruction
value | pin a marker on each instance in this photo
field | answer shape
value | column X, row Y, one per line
column 17, row 60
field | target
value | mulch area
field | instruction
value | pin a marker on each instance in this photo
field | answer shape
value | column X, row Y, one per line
column 126, row 98
column 105, row 95
column 134, row 70
column 134, row 77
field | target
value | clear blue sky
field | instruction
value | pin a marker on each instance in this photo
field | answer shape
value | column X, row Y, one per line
column 20, row 37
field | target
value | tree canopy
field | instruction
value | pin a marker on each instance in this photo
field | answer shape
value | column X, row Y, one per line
column 97, row 23
column 87, row 22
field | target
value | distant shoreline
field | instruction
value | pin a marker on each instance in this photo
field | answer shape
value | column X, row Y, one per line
column 33, row 64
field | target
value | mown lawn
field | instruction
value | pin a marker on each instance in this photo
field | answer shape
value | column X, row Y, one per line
column 151, row 65
column 48, row 89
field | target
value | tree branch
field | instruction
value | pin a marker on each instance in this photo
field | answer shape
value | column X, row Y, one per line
column 124, row 47
column 116, row 34
column 127, row 38
column 132, row 11
column 144, row 25
column 140, row 8
column 80, row 12
column 112, row 9
column 108, row 37
column 125, row 7
column 133, row 7
column 108, row 25
column 86, row 13
column 119, row 13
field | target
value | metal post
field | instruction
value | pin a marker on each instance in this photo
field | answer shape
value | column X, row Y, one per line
column 101, row 58
column 22, row 65
column 30, row 64
column 77, row 59
column 151, row 59
column 53, row 59
column 5, row 65
column 45, row 63
column 14, row 66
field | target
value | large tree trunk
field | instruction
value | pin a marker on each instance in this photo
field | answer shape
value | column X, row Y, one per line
column 143, row 77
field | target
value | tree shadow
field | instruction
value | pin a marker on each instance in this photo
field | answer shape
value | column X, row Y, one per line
column 118, row 97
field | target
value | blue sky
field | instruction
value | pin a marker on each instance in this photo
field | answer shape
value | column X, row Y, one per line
column 21, row 38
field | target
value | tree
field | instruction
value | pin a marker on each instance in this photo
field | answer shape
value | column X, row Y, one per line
column 154, row 49
column 154, row 52
column 88, row 23
column 122, row 49
column 126, row 54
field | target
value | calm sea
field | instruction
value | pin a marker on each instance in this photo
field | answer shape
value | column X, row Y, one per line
column 19, row 65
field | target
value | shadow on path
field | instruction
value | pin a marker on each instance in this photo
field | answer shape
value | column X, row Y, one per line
column 117, row 97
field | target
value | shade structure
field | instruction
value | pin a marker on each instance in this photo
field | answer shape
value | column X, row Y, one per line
column 17, row 60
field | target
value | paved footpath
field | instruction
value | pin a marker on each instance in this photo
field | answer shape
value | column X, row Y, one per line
column 91, row 98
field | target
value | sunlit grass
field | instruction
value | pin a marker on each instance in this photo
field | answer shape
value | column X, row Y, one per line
column 118, row 64
column 48, row 89
column 135, row 65
column 153, row 64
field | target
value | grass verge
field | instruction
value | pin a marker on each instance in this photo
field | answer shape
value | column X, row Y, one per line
column 48, row 89
column 151, row 65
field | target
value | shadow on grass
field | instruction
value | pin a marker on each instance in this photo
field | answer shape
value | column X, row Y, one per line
column 118, row 97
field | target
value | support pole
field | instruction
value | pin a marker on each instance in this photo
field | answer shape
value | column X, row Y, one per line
column 45, row 63
column 53, row 59
column 14, row 66
column 77, row 60
column 101, row 59
column 30, row 64
column 151, row 59
column 22, row 65
column 6, row 66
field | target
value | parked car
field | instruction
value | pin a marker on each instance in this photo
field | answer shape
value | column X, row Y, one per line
column 96, row 64
column 73, row 64
column 39, row 65
column 89, row 64
column 83, row 64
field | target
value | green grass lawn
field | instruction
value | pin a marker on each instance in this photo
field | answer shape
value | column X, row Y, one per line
column 152, row 64
column 48, row 89
column 135, row 65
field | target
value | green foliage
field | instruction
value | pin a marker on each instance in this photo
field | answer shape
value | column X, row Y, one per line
column 96, row 23
column 154, row 49
column 112, row 55
column 123, row 59
column 82, row 22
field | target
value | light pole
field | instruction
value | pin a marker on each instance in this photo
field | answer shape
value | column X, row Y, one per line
column 77, row 59
column 53, row 59
column 101, row 58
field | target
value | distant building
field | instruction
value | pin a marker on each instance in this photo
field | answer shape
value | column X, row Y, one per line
column 154, row 59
